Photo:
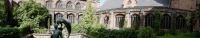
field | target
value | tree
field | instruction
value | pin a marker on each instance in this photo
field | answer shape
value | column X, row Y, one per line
column 89, row 21
column 30, row 14
column 2, row 12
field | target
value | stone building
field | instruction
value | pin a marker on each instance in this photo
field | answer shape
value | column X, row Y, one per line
column 67, row 9
column 114, row 13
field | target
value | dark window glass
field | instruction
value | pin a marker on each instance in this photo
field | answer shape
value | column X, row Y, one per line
column 166, row 22
column 180, row 22
column 120, row 21
column 71, row 18
column 149, row 20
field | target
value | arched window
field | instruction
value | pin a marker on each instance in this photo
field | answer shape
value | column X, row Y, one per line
column 180, row 20
column 149, row 20
column 120, row 21
column 48, row 4
column 135, row 19
column 106, row 20
column 20, row 3
column 58, row 16
column 78, row 6
column 69, row 5
column 59, row 4
column 166, row 22
column 71, row 18
column 80, row 18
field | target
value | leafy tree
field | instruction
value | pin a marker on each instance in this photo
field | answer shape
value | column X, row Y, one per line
column 89, row 22
column 2, row 12
column 30, row 14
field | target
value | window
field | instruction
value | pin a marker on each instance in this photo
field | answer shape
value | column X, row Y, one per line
column 135, row 19
column 120, row 21
column 59, row 5
column 166, row 22
column 83, row 0
column 180, row 22
column 80, row 18
column 48, row 4
column 58, row 16
column 20, row 3
column 69, row 5
column 71, row 18
column 106, row 20
column 78, row 6
column 149, row 20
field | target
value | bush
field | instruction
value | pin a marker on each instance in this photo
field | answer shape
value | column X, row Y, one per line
column 146, row 33
column 107, row 33
column 10, row 32
column 40, row 31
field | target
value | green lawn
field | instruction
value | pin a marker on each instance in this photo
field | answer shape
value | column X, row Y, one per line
column 171, row 36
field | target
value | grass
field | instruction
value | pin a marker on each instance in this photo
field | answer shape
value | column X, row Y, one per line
column 177, row 36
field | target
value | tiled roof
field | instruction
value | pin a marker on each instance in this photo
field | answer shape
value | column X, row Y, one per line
column 111, row 4
column 160, row 3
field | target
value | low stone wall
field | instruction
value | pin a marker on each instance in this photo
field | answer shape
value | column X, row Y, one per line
column 80, row 35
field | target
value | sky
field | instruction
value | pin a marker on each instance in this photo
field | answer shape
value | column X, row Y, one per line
column 102, row 1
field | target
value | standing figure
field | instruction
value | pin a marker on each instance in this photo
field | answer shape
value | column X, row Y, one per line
column 57, row 33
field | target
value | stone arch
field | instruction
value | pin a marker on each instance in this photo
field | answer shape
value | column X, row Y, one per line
column 69, row 5
column 59, row 4
column 135, row 19
column 71, row 18
column 166, row 22
column 48, row 4
column 180, row 22
column 58, row 16
column 78, row 5
column 149, row 20
column 120, row 18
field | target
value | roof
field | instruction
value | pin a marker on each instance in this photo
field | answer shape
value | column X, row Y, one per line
column 162, row 3
column 111, row 4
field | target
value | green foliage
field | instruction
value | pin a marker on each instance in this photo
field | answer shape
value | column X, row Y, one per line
column 135, row 25
column 188, row 17
column 146, row 33
column 157, row 20
column 40, row 31
column 89, row 21
column 125, row 24
column 107, row 33
column 2, row 12
column 30, row 14
column 10, row 32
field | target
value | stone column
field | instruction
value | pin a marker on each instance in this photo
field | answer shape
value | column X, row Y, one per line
column 128, row 20
column 112, row 23
column 142, row 19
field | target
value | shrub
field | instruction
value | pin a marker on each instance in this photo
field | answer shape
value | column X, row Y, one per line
column 107, row 33
column 146, row 33
column 10, row 32
column 40, row 31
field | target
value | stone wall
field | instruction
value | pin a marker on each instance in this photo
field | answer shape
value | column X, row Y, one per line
column 65, row 36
